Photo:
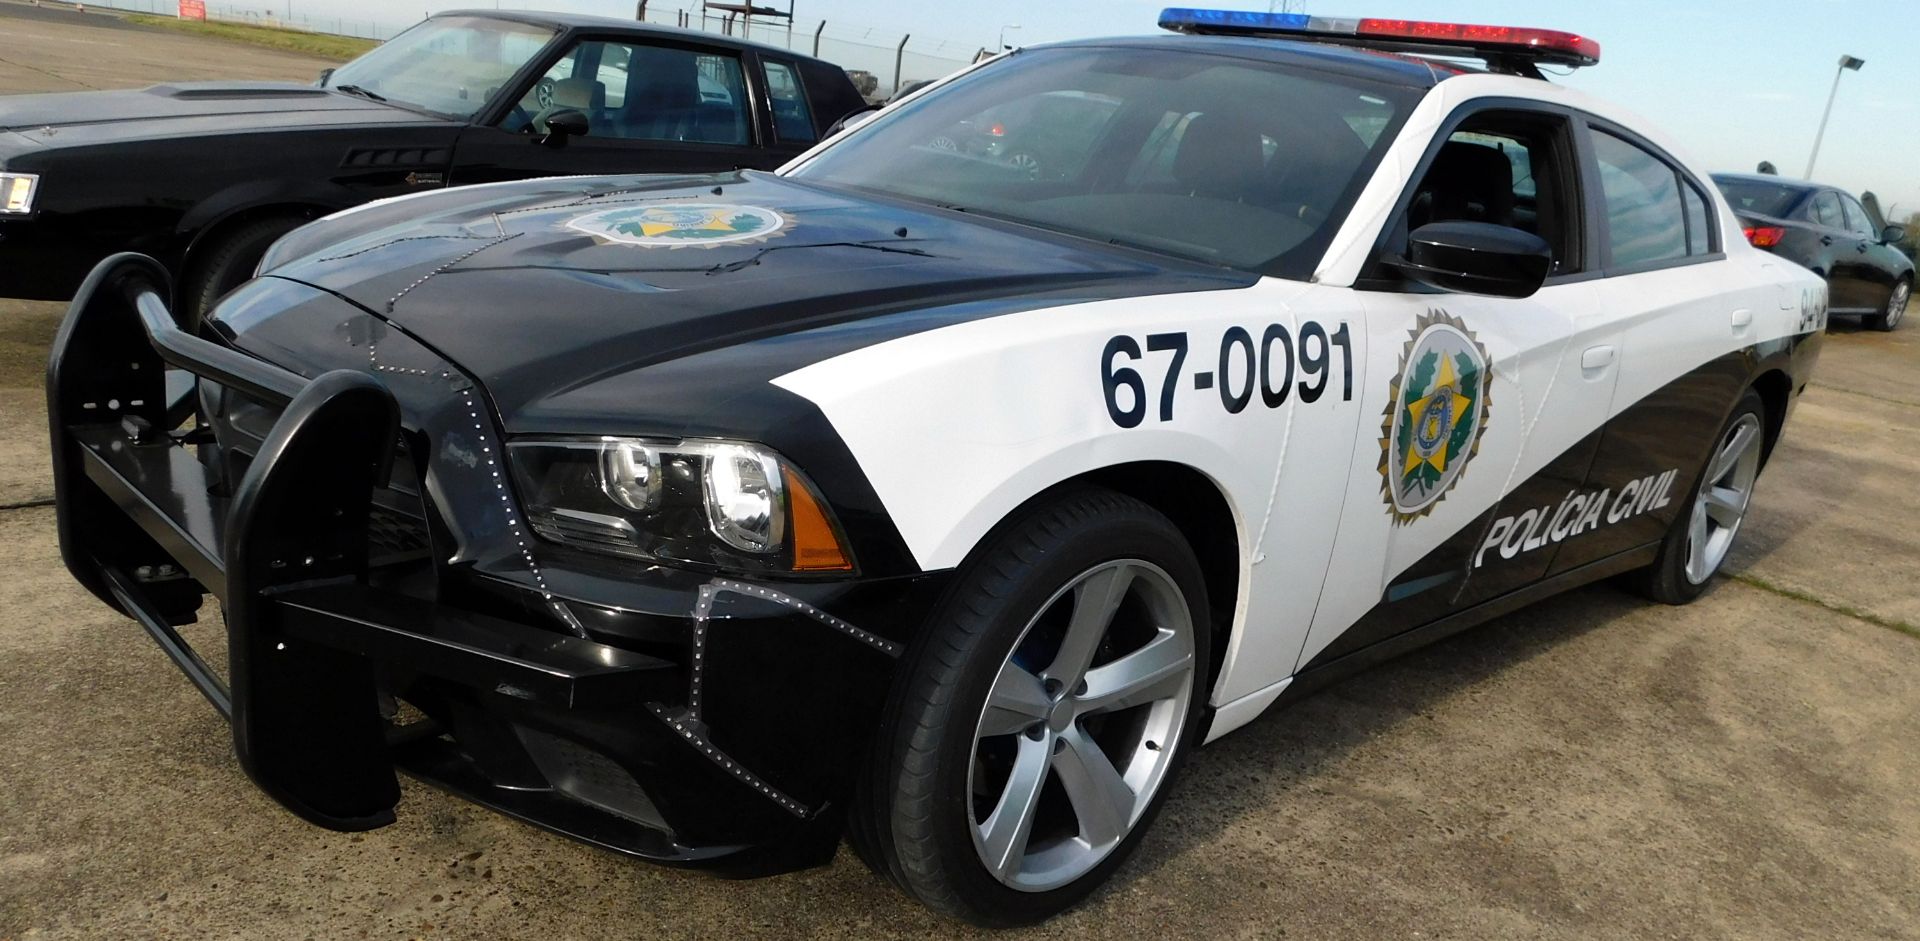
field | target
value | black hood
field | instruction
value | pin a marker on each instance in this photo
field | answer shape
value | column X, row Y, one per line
column 541, row 287
column 187, row 107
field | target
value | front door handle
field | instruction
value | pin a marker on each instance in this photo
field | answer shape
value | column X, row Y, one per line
column 1826, row 240
column 1595, row 360
column 1742, row 319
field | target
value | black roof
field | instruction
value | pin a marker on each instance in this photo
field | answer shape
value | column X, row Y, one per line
column 1393, row 68
column 590, row 22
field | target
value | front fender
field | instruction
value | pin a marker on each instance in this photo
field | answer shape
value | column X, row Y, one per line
column 317, row 198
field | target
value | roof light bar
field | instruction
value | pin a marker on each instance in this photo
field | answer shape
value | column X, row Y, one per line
column 1499, row 45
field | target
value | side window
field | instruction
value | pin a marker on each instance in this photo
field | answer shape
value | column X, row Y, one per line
column 1857, row 221
column 792, row 120
column 1645, row 217
column 1826, row 211
column 1699, row 222
column 1509, row 168
column 641, row 93
column 529, row 113
column 720, row 90
column 614, row 62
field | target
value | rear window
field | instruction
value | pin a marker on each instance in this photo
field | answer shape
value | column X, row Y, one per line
column 1646, row 221
column 1244, row 164
column 1755, row 196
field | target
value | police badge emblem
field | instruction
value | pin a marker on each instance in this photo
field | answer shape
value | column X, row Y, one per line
column 681, row 225
column 1435, row 415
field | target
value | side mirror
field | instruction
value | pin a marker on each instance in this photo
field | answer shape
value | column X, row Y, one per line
column 1477, row 258
column 1893, row 234
column 562, row 125
column 326, row 75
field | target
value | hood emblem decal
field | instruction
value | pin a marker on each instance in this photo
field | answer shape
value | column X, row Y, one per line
column 682, row 225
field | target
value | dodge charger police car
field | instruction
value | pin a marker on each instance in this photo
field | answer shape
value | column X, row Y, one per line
column 909, row 495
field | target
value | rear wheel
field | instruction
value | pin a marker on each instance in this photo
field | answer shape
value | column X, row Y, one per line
column 1896, row 309
column 1040, row 721
column 1703, row 534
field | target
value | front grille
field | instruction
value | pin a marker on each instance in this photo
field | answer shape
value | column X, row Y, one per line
column 396, row 525
column 394, row 537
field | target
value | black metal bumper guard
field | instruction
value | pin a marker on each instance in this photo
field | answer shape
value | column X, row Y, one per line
column 286, row 554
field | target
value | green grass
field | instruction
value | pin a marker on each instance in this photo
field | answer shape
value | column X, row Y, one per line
column 319, row 45
column 1764, row 584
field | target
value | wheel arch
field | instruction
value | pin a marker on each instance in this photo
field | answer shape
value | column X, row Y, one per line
column 1199, row 507
column 1776, row 393
column 214, row 228
column 244, row 202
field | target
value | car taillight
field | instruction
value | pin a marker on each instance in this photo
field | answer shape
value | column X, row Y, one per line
column 998, row 130
column 1764, row 236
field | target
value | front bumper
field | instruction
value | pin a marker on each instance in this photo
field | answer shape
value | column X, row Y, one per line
column 715, row 724
column 43, row 257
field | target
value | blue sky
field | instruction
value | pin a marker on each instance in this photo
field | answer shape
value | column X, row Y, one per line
column 1734, row 82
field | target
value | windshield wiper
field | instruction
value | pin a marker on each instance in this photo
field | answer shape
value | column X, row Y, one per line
column 357, row 90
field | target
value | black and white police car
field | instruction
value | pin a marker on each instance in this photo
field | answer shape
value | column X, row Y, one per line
column 907, row 494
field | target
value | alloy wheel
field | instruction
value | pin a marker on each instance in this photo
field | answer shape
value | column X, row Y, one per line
column 1722, row 501
column 1081, row 725
column 1897, row 304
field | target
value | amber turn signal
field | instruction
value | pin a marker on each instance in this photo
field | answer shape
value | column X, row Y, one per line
column 816, row 547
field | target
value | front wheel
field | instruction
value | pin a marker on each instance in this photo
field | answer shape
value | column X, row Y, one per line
column 227, row 263
column 1040, row 721
column 1703, row 534
column 1896, row 309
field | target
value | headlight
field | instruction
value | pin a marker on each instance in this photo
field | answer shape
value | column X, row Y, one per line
column 728, row 505
column 16, row 193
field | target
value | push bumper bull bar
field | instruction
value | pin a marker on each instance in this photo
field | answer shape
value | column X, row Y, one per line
column 143, row 526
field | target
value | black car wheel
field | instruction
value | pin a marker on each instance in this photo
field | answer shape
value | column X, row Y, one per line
column 1896, row 309
column 226, row 264
column 1038, row 723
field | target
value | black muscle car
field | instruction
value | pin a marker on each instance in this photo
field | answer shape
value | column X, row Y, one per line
column 1832, row 234
column 204, row 176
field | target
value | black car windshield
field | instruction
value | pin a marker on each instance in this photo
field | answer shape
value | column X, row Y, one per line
column 1220, row 159
column 450, row 65
column 1761, row 196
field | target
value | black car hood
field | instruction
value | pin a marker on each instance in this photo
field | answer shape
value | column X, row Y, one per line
column 537, row 288
column 197, row 107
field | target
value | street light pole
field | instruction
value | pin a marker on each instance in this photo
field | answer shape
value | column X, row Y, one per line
column 1002, row 47
column 1847, row 64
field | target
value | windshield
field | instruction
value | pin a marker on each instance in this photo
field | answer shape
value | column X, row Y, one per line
column 1224, row 160
column 451, row 65
column 1757, row 196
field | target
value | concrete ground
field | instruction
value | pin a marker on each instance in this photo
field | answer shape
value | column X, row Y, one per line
column 1590, row 767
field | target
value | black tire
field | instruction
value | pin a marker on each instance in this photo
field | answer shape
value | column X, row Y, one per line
column 1666, row 579
column 227, row 263
column 910, row 816
column 1888, row 318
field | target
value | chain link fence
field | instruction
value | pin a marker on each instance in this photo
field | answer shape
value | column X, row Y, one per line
column 891, row 59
